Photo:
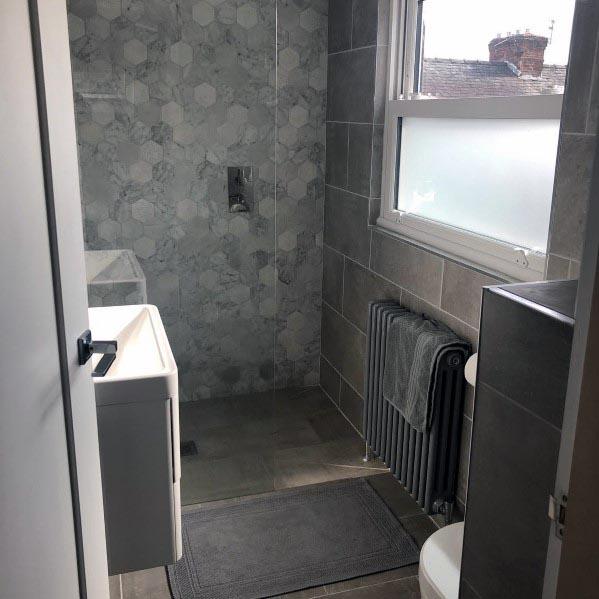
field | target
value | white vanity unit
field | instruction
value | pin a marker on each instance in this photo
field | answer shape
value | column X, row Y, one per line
column 138, row 425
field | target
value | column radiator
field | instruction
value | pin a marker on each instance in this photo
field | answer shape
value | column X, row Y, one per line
column 425, row 463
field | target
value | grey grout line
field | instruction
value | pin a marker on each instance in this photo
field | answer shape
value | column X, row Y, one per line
column 344, row 188
column 343, row 284
column 351, row 31
column 407, row 291
column 590, row 96
column 348, row 122
column 357, row 49
column 347, row 160
column 522, row 407
column 356, row 327
column 578, row 133
column 340, row 410
column 442, row 283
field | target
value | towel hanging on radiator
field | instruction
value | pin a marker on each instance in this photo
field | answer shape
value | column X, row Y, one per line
column 426, row 463
column 412, row 349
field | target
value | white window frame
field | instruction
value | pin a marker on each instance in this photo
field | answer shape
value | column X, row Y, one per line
column 491, row 254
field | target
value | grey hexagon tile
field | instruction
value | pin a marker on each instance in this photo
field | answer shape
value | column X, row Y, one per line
column 149, row 113
column 288, row 59
column 307, row 171
column 140, row 171
column 310, row 20
column 288, row 135
column 144, row 247
column 97, row 211
column 237, row 114
column 298, row 116
column 181, row 53
column 135, row 51
column 132, row 229
column 205, row 94
column 184, row 134
column 203, row 13
column 287, row 241
column 247, row 15
column 98, row 27
column 318, row 78
column 102, row 112
column 151, row 152
column 137, row 92
column 76, row 27
column 172, row 113
column 109, row 9
column 91, row 133
column 109, row 230
column 143, row 211
column 187, row 209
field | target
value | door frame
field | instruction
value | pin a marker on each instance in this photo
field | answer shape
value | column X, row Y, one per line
column 56, row 115
column 571, row 566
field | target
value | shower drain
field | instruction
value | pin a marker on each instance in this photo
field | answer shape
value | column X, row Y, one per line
column 188, row 448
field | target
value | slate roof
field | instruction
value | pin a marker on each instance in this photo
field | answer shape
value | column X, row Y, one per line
column 450, row 78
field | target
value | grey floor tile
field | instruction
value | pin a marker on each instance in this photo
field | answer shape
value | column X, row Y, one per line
column 146, row 584
column 373, row 579
column 406, row 588
column 419, row 527
column 392, row 492
column 114, row 587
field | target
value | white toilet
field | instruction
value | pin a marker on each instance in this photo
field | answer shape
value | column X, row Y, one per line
column 441, row 554
column 440, row 560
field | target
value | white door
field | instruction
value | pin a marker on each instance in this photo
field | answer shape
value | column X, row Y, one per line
column 52, row 541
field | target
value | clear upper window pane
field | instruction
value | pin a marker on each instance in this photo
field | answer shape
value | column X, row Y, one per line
column 478, row 49
column 493, row 177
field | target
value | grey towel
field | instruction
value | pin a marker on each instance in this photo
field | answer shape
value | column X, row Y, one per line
column 414, row 344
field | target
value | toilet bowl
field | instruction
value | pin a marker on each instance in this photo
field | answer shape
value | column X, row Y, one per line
column 440, row 560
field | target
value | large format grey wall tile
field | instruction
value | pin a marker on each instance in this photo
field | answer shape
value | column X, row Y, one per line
column 351, row 404
column 377, row 162
column 359, row 159
column 512, row 473
column 329, row 380
column 462, row 291
column 570, row 195
column 337, row 151
column 360, row 287
column 343, row 345
column 340, row 25
column 346, row 224
column 580, row 73
column 537, row 380
column 332, row 277
column 408, row 266
column 350, row 93
column 365, row 23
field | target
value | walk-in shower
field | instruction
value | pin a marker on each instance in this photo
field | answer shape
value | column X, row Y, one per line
column 201, row 148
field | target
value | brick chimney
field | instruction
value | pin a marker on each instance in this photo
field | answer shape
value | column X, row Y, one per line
column 523, row 50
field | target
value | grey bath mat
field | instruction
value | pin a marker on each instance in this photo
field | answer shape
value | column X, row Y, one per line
column 280, row 542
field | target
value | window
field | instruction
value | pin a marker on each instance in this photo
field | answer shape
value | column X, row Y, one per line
column 472, row 125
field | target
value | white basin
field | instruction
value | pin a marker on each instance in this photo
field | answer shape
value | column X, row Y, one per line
column 144, row 368
column 138, row 430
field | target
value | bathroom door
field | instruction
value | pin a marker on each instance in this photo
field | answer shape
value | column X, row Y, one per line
column 51, row 517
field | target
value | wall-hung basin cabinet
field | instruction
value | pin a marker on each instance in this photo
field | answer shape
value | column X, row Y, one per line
column 138, row 427
column 523, row 361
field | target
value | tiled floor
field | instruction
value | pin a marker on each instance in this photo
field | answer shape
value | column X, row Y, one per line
column 263, row 442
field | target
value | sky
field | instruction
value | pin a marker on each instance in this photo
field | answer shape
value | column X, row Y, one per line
column 464, row 28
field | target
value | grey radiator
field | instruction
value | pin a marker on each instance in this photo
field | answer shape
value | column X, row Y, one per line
column 425, row 463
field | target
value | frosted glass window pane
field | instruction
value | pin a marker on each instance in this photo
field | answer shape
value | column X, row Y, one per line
column 489, row 176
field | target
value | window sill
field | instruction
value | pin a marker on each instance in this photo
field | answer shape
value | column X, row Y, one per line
column 391, row 229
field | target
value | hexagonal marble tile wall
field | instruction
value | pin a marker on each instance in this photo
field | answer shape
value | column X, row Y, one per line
column 165, row 101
